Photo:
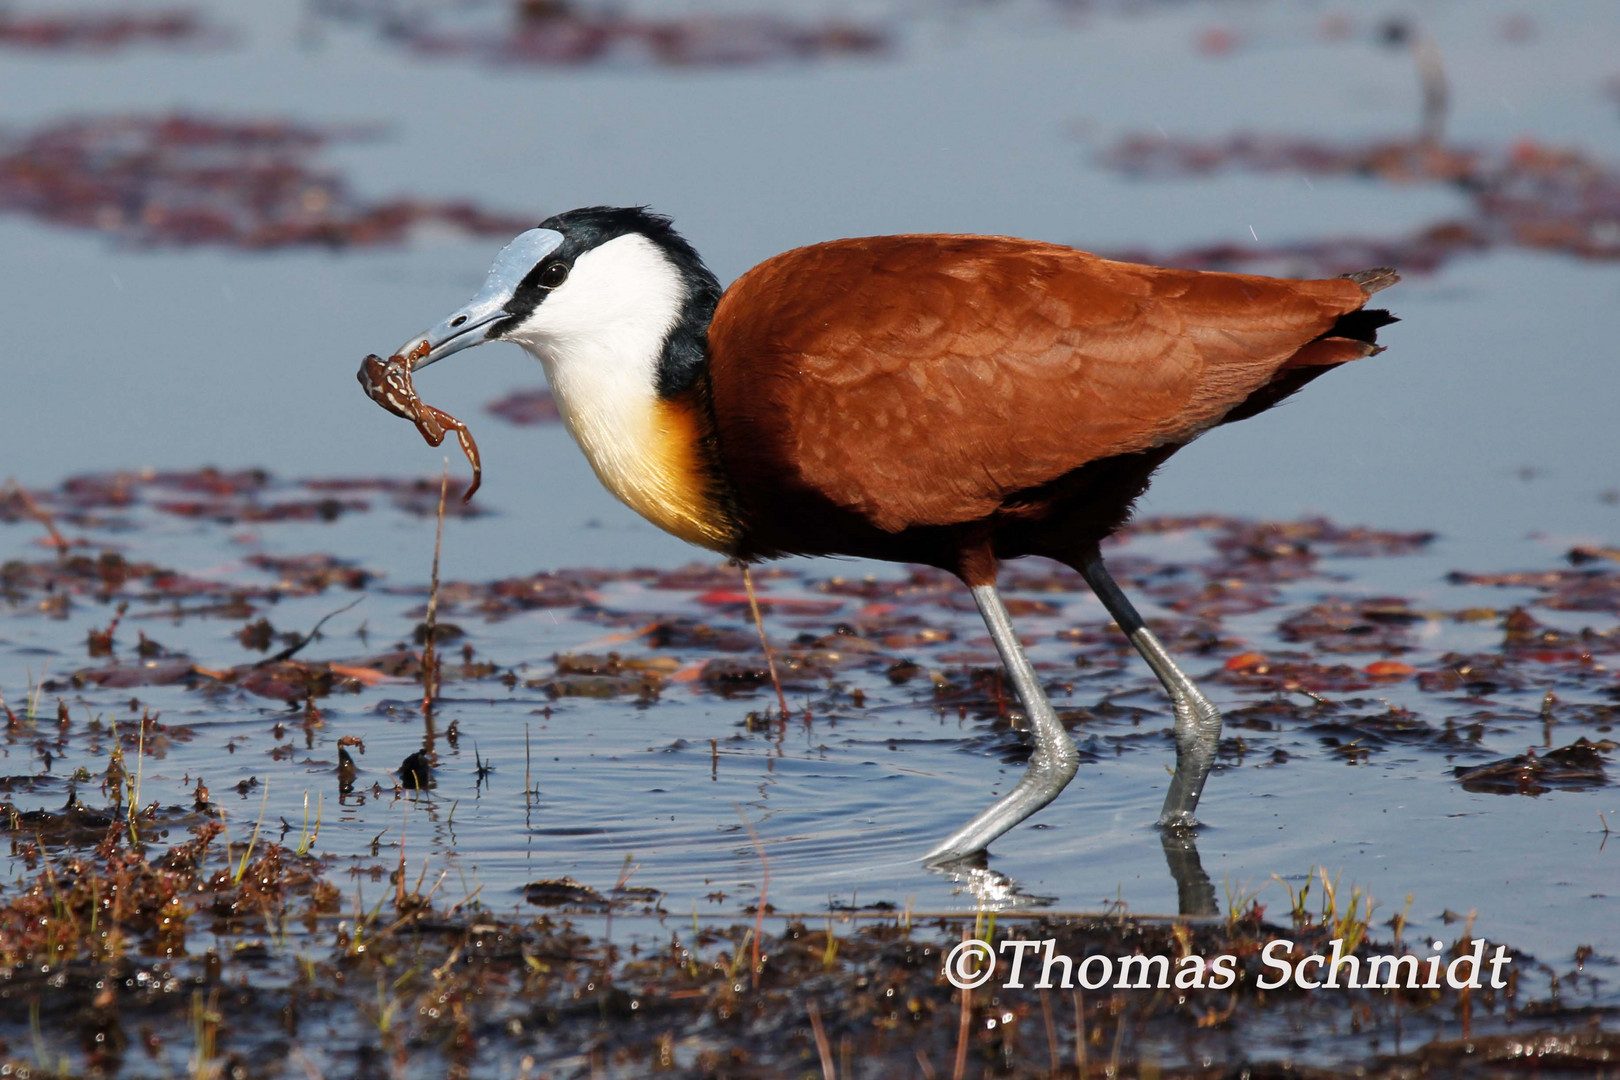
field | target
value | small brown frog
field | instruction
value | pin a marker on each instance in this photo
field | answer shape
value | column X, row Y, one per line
column 388, row 383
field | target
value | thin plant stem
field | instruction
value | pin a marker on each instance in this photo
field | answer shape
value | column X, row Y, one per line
column 430, row 659
column 764, row 643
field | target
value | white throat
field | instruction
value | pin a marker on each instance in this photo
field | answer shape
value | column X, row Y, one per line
column 601, row 332
column 600, row 336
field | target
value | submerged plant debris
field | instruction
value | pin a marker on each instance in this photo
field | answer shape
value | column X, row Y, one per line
column 189, row 179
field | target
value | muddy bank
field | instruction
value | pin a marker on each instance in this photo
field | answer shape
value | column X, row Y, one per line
column 201, row 954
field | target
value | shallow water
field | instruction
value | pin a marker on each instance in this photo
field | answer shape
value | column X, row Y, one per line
column 1486, row 421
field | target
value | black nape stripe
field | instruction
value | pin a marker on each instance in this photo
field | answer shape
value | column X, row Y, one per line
column 686, row 350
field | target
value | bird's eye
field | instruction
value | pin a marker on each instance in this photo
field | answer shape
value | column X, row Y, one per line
column 554, row 275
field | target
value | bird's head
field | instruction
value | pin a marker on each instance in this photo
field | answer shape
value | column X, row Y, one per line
column 596, row 286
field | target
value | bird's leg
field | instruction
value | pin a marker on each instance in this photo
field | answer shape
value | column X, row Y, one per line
column 1052, row 764
column 1198, row 722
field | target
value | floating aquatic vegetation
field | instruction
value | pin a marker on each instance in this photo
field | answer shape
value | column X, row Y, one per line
column 1575, row 767
column 417, row 496
column 1526, row 195
column 882, row 625
column 1593, row 588
column 556, row 33
column 1380, row 624
column 526, row 408
column 308, row 575
column 103, row 31
column 189, row 180
column 1295, row 672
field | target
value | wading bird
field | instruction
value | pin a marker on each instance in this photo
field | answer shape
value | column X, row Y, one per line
column 948, row 400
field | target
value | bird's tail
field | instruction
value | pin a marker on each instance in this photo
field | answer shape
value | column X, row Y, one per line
column 1374, row 280
column 1361, row 327
column 1355, row 333
column 1352, row 336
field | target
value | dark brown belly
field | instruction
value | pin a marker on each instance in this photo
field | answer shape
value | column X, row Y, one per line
column 1061, row 520
column 1064, row 520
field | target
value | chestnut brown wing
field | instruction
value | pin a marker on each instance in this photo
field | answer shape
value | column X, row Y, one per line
column 921, row 380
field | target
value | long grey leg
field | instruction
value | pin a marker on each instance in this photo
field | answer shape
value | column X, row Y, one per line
column 1051, row 766
column 1198, row 723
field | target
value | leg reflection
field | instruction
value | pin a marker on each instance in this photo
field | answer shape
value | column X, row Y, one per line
column 992, row 890
column 1195, row 893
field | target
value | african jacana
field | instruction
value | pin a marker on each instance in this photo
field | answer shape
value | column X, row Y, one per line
column 948, row 400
